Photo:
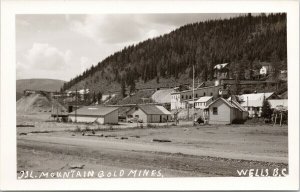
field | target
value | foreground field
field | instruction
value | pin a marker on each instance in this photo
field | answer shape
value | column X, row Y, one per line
column 169, row 151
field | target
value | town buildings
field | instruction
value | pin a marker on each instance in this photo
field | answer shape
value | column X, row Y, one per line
column 253, row 102
column 183, row 99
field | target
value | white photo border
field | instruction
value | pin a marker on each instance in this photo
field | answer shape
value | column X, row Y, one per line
column 10, row 8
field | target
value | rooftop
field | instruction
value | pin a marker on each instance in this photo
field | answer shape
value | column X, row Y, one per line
column 277, row 103
column 220, row 66
column 95, row 110
column 230, row 103
column 255, row 99
column 196, row 89
column 204, row 99
column 154, row 110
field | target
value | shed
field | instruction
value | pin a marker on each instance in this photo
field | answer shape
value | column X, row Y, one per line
column 222, row 111
column 97, row 113
column 149, row 113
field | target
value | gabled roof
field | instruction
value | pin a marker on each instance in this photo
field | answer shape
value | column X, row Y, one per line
column 255, row 99
column 231, row 104
column 154, row 110
column 96, row 110
column 239, row 106
column 220, row 66
column 204, row 99
column 164, row 110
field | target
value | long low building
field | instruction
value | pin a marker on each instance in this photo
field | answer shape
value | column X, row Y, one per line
column 97, row 113
column 180, row 99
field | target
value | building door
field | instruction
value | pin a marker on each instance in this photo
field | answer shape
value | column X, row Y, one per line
column 160, row 119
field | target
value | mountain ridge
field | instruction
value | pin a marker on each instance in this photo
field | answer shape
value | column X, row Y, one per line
column 243, row 41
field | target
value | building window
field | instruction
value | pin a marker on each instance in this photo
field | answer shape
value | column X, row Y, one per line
column 215, row 110
column 190, row 97
column 211, row 94
column 186, row 97
column 181, row 96
column 204, row 94
column 136, row 116
column 196, row 95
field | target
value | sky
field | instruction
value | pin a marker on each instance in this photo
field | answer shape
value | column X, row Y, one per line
column 63, row 46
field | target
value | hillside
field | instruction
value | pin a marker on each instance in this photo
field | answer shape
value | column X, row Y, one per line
column 37, row 102
column 167, row 60
column 37, row 84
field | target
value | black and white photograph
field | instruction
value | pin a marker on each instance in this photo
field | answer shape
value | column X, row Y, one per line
column 161, row 95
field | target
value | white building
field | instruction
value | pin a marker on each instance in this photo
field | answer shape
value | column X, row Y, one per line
column 97, row 113
column 176, row 102
column 278, row 103
column 181, row 100
column 203, row 102
column 266, row 69
column 253, row 102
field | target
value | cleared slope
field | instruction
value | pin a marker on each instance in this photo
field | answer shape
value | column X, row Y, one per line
column 36, row 103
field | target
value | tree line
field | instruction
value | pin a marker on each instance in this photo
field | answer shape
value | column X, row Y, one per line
column 243, row 41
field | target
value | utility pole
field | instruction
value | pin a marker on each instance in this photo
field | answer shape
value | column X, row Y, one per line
column 76, row 106
column 57, row 108
column 193, row 94
column 52, row 113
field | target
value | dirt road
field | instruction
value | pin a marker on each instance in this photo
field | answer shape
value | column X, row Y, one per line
column 209, row 150
column 48, row 153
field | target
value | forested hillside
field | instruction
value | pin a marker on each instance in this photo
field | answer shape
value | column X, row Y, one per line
column 242, row 41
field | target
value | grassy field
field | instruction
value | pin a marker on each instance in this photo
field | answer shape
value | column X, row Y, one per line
column 181, row 150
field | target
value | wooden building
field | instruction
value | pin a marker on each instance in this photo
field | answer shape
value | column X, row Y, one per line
column 97, row 113
column 222, row 111
column 149, row 114
column 203, row 102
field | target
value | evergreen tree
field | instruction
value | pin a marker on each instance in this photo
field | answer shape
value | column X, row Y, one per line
column 266, row 110
column 94, row 98
column 132, row 87
column 203, row 44
column 99, row 97
column 123, row 89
